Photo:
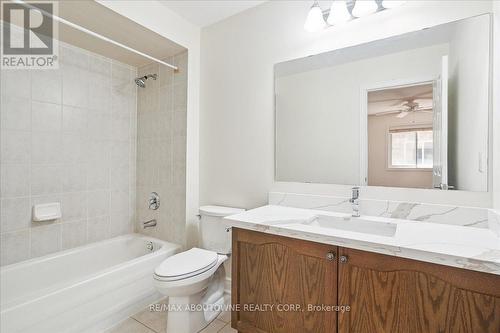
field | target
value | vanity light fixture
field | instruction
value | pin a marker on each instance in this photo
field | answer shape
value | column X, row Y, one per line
column 342, row 11
column 338, row 13
column 315, row 20
column 364, row 7
column 388, row 4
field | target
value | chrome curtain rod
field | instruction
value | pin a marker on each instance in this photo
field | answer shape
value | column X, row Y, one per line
column 92, row 33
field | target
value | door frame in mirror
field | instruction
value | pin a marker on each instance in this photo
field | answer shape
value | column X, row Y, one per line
column 363, row 114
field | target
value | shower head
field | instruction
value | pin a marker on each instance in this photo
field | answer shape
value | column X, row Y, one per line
column 141, row 81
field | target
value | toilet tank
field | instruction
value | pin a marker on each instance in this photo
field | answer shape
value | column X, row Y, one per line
column 213, row 233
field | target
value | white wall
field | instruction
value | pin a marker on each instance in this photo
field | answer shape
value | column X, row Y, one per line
column 158, row 18
column 237, row 110
column 468, row 105
column 318, row 117
column 496, row 107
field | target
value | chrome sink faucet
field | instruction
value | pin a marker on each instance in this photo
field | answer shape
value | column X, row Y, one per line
column 355, row 201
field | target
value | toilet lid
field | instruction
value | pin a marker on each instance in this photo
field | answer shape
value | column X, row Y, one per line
column 187, row 263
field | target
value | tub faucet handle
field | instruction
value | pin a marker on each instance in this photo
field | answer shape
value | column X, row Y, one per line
column 154, row 201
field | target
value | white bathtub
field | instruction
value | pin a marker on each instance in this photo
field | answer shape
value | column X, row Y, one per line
column 86, row 289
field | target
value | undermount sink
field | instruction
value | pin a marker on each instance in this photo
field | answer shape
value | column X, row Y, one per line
column 347, row 223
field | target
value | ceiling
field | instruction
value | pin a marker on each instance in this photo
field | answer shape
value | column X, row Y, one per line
column 390, row 99
column 203, row 13
column 99, row 19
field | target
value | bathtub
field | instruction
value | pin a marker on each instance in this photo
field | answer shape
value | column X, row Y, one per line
column 85, row 289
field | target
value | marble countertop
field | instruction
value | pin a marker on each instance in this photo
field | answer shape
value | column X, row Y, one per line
column 470, row 248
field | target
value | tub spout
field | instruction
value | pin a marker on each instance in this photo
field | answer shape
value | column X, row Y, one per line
column 149, row 224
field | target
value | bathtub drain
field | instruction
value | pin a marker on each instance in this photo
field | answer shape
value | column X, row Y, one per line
column 149, row 246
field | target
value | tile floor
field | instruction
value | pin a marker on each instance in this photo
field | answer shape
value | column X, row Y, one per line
column 156, row 322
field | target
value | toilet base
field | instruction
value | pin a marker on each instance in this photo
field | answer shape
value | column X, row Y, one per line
column 194, row 316
column 192, row 313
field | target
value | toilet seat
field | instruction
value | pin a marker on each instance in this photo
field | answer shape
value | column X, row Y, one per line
column 186, row 264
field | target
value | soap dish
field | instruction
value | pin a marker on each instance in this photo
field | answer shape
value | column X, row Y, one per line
column 47, row 212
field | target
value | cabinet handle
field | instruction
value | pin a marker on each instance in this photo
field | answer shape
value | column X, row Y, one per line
column 330, row 256
column 343, row 259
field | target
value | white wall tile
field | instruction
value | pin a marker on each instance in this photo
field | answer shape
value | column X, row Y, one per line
column 98, row 151
column 97, row 176
column 74, row 177
column 55, row 146
column 120, row 74
column 46, row 179
column 165, row 125
column 161, row 152
column 46, row 116
column 74, row 234
column 98, row 203
column 120, row 128
column 98, row 228
column 122, row 104
column 120, row 151
column 75, row 86
column 99, row 92
column 15, row 180
column 166, row 74
column 119, row 202
column 46, row 147
column 16, row 83
column 99, row 125
column 46, row 86
column 100, row 65
column 74, row 120
column 45, row 239
column 75, row 148
column 15, row 146
column 180, row 95
column 16, row 113
column 74, row 206
column 120, row 224
column 15, row 214
column 179, row 122
column 15, row 246
column 120, row 178
column 74, row 56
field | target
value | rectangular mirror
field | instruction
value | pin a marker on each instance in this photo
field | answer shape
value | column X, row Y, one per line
column 407, row 111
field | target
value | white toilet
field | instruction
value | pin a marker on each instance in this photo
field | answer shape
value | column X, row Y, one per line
column 194, row 280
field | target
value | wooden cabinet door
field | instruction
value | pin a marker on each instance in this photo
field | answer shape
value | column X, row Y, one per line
column 390, row 294
column 274, row 270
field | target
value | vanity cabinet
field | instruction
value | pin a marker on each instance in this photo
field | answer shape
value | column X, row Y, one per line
column 384, row 293
column 392, row 294
column 269, row 270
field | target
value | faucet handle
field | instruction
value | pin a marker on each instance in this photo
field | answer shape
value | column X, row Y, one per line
column 355, row 192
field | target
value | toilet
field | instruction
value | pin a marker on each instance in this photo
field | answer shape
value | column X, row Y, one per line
column 194, row 279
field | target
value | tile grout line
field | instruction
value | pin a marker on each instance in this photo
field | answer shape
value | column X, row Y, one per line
column 225, row 324
column 143, row 324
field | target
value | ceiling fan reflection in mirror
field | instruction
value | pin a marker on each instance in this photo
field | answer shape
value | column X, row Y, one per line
column 423, row 105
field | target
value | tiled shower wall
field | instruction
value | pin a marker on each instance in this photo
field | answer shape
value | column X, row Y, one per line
column 67, row 136
column 161, row 149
